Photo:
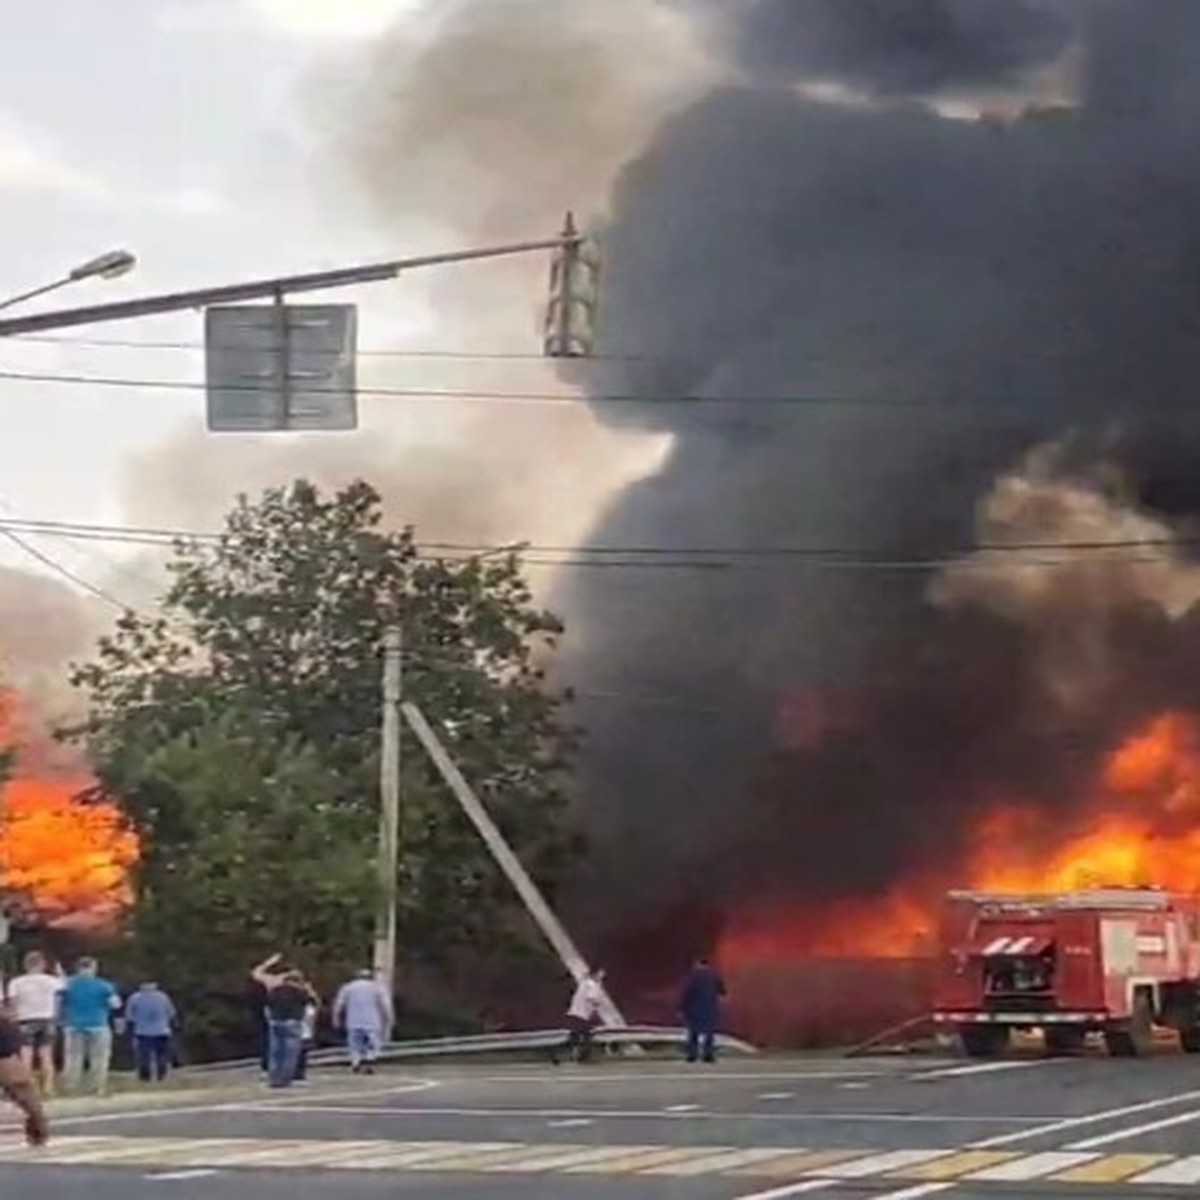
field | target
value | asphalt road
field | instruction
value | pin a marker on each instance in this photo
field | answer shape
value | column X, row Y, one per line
column 899, row 1129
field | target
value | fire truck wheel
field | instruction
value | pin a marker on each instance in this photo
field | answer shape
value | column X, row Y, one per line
column 1135, row 1037
column 983, row 1041
column 1189, row 1039
column 1066, row 1039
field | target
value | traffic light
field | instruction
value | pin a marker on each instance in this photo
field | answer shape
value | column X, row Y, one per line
column 574, row 296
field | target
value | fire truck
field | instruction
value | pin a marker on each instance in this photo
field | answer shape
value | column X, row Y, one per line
column 1118, row 961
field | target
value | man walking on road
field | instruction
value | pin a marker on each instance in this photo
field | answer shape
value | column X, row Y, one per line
column 364, row 1010
column 33, row 1003
column 287, row 999
column 18, row 1085
column 151, row 1016
column 700, row 1006
column 88, row 1002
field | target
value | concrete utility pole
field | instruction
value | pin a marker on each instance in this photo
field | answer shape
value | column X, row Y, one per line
column 535, row 903
column 389, row 809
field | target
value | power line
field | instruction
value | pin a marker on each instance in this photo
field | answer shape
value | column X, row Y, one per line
column 997, row 406
column 447, row 354
column 693, row 557
column 59, row 568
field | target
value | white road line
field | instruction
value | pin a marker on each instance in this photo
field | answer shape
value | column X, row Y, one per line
column 682, row 1108
column 1110, row 1114
column 1031, row 1166
column 180, row 1176
column 777, row 1095
column 914, row 1193
column 1130, row 1131
column 881, row 1164
column 791, row 1189
column 570, row 1123
column 625, row 1114
column 677, row 1076
column 1184, row 1171
column 985, row 1068
column 277, row 1102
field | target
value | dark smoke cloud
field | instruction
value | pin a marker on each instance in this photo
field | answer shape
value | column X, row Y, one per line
column 895, row 46
column 996, row 286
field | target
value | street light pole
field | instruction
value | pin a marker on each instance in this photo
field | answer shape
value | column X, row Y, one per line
column 106, row 266
column 259, row 289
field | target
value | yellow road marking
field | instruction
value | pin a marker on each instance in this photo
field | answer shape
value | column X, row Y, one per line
column 798, row 1162
column 1113, row 1168
column 956, row 1165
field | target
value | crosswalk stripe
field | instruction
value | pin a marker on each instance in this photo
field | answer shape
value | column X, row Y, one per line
column 633, row 1162
column 1181, row 1171
column 881, row 1164
column 781, row 1164
column 1034, row 1166
column 797, row 1162
column 955, row 1166
column 1112, row 1168
column 706, row 1163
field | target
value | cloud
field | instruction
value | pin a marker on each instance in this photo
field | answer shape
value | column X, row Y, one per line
column 30, row 162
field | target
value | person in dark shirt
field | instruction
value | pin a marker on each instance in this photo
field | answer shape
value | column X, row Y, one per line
column 17, row 1083
column 700, row 1006
column 287, row 998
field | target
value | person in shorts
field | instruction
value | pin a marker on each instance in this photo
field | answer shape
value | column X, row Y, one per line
column 17, row 1083
column 34, row 1000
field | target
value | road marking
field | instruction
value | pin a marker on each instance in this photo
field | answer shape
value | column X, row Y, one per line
column 989, row 1068
column 719, row 1163
column 627, row 1114
column 881, row 1164
column 954, row 1166
column 792, row 1189
column 180, row 1176
column 570, row 1123
column 1106, row 1139
column 1183, row 1171
column 776, row 1095
column 914, row 1193
column 1032, row 1166
column 795, row 1162
column 561, row 1157
column 166, row 1110
column 638, row 1161
column 1112, row 1168
column 1110, row 1114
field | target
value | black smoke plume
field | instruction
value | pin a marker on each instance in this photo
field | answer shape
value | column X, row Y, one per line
column 855, row 318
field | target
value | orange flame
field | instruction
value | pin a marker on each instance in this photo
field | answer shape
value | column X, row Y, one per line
column 1141, row 827
column 66, row 857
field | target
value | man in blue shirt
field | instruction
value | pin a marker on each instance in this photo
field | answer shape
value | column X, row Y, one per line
column 700, row 1005
column 151, row 1017
column 88, row 1003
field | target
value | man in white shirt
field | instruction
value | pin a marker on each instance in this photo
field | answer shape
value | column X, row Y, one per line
column 583, row 1016
column 33, row 1003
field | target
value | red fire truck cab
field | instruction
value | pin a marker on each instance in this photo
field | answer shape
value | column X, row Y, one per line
column 1114, row 960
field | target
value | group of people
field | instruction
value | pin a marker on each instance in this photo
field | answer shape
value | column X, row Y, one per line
column 700, row 1000
column 87, row 1010
column 362, row 1012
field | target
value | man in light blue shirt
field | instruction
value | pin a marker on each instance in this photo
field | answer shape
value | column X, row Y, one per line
column 364, row 1009
column 88, row 1003
column 151, row 1016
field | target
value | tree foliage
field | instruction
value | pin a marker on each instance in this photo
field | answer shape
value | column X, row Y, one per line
column 238, row 731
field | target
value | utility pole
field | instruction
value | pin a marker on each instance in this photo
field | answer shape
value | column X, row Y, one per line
column 389, row 809
column 535, row 903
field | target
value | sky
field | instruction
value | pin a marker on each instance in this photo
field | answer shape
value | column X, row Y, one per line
column 177, row 129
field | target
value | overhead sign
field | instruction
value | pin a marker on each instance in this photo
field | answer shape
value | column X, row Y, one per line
column 286, row 368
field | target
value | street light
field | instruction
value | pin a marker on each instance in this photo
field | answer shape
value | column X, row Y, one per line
column 112, row 265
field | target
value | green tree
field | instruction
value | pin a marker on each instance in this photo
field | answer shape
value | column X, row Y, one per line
column 238, row 731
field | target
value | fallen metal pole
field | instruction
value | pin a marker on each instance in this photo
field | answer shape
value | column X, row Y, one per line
column 535, row 903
